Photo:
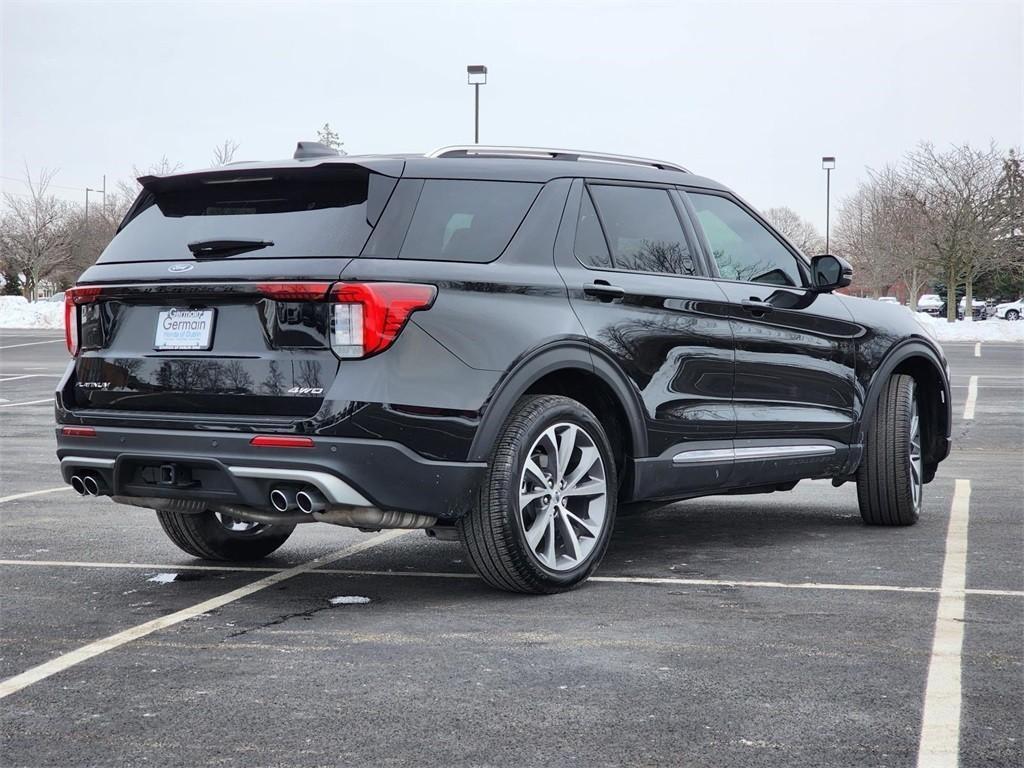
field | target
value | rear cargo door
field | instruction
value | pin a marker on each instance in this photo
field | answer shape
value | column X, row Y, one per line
column 211, row 298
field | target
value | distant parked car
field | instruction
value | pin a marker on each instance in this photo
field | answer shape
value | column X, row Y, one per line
column 1012, row 310
column 979, row 309
column 890, row 300
column 931, row 303
column 57, row 298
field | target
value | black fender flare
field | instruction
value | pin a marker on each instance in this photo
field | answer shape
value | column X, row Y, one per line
column 567, row 354
column 899, row 354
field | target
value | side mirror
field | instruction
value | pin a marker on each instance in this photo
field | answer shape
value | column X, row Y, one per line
column 830, row 272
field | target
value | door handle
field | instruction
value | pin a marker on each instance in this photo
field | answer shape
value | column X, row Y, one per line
column 604, row 291
column 756, row 306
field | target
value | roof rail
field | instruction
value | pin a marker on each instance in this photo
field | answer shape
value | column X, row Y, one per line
column 546, row 153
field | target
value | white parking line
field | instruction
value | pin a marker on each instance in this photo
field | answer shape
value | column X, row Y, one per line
column 940, row 722
column 15, row 377
column 27, row 494
column 656, row 580
column 86, row 652
column 33, row 343
column 27, row 402
column 972, row 398
column 977, row 349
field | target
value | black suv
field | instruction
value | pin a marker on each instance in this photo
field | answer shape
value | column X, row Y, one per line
column 498, row 344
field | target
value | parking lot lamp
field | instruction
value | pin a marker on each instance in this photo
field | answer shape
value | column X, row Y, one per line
column 828, row 163
column 476, row 75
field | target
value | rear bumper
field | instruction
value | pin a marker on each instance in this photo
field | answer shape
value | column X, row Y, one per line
column 222, row 467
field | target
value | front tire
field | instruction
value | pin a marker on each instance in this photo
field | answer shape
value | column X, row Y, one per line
column 214, row 536
column 546, row 508
column 890, row 477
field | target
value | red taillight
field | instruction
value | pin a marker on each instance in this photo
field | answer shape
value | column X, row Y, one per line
column 278, row 441
column 72, row 298
column 294, row 291
column 367, row 317
column 78, row 432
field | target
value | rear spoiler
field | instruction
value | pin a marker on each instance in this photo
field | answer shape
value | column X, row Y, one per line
column 154, row 185
column 229, row 173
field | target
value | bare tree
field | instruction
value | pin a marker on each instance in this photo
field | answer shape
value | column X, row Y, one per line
column 1008, row 214
column 857, row 239
column 224, row 153
column 797, row 230
column 957, row 194
column 37, row 232
column 900, row 230
column 330, row 138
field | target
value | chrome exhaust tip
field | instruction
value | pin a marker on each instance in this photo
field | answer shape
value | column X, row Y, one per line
column 91, row 485
column 78, row 485
column 282, row 499
column 310, row 501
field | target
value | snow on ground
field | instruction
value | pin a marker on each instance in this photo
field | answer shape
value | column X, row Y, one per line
column 16, row 312
column 992, row 329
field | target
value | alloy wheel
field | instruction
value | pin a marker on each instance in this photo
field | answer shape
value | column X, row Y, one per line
column 916, row 472
column 563, row 497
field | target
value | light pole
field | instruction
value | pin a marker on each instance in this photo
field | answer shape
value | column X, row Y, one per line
column 828, row 163
column 476, row 75
column 101, row 191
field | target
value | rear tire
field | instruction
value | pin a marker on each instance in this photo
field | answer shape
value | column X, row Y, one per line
column 890, row 477
column 1012, row 314
column 210, row 537
column 546, row 508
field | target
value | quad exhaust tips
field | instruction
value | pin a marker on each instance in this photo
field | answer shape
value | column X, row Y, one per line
column 310, row 501
column 88, row 485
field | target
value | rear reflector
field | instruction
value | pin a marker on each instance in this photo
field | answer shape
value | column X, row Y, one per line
column 367, row 317
column 275, row 441
column 78, row 432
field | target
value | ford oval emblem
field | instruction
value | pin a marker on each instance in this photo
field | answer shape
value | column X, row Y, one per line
column 180, row 267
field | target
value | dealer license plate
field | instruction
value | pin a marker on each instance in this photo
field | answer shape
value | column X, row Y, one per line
column 184, row 329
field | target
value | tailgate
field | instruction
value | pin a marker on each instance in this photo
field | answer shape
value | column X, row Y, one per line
column 242, row 348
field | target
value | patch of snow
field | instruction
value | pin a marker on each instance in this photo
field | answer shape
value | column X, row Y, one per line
column 17, row 312
column 992, row 329
column 163, row 578
column 349, row 600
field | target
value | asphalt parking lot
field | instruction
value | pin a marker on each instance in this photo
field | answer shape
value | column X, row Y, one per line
column 769, row 630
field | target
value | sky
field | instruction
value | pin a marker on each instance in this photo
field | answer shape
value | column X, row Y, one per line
column 750, row 94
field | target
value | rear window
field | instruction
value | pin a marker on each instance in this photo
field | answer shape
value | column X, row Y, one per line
column 466, row 220
column 309, row 212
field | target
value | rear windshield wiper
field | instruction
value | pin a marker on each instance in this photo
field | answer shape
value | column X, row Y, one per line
column 216, row 248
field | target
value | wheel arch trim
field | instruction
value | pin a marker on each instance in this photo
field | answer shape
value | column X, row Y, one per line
column 562, row 355
column 899, row 354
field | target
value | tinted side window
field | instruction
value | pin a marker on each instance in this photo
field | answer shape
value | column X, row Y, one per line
column 466, row 220
column 591, row 248
column 643, row 230
column 743, row 248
